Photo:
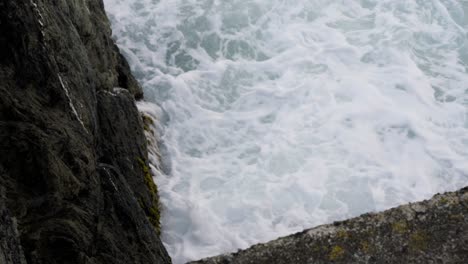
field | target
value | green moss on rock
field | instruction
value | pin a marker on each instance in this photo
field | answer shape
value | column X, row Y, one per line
column 152, row 211
column 147, row 122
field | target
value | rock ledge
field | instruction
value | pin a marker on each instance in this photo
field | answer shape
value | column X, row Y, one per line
column 432, row 231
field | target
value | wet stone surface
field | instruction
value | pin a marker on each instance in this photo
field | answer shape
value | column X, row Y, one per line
column 72, row 148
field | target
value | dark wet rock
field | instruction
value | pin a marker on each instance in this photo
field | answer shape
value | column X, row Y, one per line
column 433, row 231
column 73, row 156
column 10, row 246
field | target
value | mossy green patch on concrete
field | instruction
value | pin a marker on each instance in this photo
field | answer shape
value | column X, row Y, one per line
column 444, row 200
column 457, row 217
column 336, row 253
column 342, row 234
column 418, row 241
column 400, row 227
column 364, row 246
column 318, row 248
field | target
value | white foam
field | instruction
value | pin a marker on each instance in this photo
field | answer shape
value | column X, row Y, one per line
column 282, row 115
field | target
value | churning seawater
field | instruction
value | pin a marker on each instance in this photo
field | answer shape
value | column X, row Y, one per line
column 279, row 115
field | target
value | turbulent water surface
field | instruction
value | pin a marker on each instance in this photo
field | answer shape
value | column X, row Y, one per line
column 279, row 115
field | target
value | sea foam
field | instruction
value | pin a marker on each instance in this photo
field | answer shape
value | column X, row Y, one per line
column 280, row 115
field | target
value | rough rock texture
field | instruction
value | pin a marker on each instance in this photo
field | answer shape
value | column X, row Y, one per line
column 10, row 246
column 73, row 156
column 433, row 231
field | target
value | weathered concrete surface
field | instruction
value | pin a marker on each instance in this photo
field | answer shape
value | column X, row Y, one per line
column 73, row 155
column 433, row 231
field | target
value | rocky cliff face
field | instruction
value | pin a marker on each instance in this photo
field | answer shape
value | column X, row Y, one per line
column 433, row 231
column 74, row 180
